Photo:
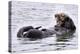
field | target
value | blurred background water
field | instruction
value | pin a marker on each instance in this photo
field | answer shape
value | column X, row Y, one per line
column 40, row 14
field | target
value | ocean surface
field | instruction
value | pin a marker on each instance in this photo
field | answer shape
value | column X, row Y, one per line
column 40, row 14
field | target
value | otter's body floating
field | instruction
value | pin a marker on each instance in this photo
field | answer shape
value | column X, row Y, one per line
column 64, row 26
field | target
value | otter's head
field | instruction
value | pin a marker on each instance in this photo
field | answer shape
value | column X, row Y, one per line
column 60, row 16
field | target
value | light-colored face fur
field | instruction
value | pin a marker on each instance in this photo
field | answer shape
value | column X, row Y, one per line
column 60, row 17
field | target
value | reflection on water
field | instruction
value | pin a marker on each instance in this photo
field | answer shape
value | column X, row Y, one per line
column 49, row 43
column 65, row 37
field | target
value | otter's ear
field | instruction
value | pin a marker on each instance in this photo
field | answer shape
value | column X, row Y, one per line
column 67, row 18
column 56, row 15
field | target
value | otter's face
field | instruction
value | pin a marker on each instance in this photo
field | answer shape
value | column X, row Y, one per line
column 60, row 16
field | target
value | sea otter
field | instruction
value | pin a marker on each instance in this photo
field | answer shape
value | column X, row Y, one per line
column 65, row 25
column 64, row 21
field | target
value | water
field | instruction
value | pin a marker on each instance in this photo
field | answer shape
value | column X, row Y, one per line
column 40, row 14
